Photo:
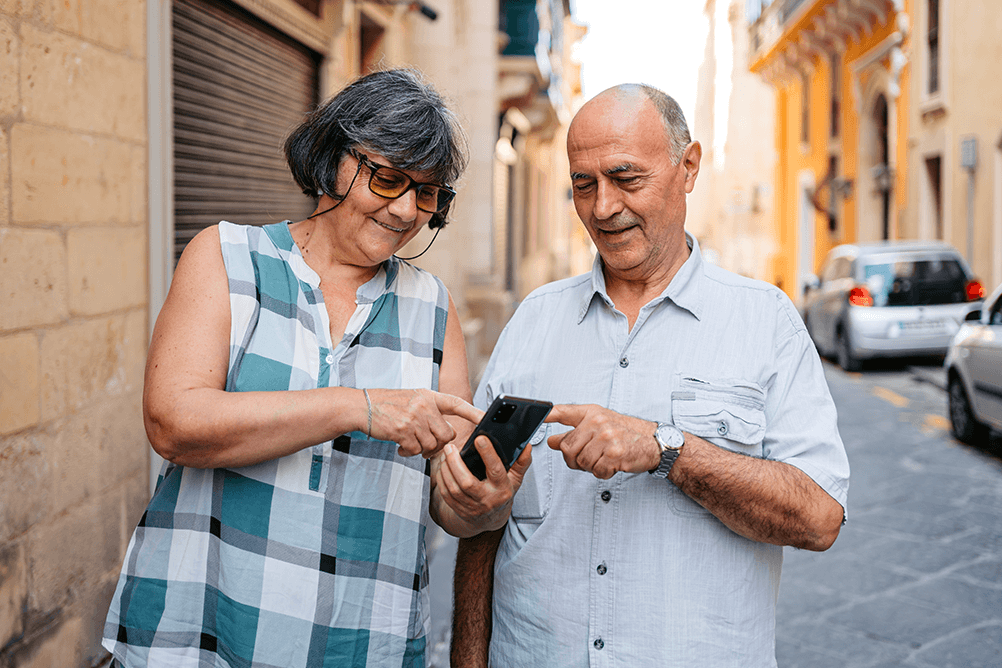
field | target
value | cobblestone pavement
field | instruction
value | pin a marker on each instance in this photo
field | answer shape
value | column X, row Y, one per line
column 915, row 578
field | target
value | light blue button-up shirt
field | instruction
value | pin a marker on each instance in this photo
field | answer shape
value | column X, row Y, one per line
column 630, row 571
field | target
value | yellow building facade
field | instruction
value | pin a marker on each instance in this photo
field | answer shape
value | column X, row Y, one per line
column 955, row 131
column 841, row 72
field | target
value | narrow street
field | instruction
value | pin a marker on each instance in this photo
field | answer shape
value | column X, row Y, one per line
column 915, row 578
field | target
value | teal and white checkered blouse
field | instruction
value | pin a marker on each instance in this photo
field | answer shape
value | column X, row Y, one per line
column 317, row 558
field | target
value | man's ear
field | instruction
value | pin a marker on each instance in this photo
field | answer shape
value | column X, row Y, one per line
column 690, row 160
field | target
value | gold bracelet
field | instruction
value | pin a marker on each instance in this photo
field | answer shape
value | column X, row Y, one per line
column 368, row 404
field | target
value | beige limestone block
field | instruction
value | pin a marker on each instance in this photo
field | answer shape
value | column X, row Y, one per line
column 19, row 387
column 68, row 579
column 10, row 51
column 25, row 473
column 63, row 177
column 87, row 362
column 106, row 269
column 74, row 84
column 13, row 589
column 61, row 647
column 98, row 448
column 32, row 278
column 116, row 24
column 135, row 496
column 4, row 183
column 139, row 211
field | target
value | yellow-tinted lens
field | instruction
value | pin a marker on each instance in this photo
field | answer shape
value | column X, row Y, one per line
column 389, row 182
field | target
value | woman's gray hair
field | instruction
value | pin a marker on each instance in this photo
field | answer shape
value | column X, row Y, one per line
column 394, row 113
column 673, row 119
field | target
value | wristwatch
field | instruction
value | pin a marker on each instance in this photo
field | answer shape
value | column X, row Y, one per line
column 670, row 439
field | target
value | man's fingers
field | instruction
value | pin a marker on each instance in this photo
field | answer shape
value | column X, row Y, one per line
column 521, row 464
column 492, row 463
column 556, row 440
column 568, row 414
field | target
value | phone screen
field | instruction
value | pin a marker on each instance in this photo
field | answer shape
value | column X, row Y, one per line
column 509, row 423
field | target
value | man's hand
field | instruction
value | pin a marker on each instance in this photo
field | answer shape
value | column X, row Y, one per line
column 472, row 505
column 604, row 442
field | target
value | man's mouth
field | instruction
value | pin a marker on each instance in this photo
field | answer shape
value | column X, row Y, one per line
column 617, row 231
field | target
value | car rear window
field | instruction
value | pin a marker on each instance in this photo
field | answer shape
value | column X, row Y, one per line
column 916, row 282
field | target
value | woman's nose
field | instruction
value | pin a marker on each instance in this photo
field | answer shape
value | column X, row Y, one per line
column 405, row 206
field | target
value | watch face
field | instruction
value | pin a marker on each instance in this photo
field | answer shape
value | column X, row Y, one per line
column 670, row 436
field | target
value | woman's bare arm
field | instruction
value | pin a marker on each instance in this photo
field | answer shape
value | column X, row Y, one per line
column 191, row 420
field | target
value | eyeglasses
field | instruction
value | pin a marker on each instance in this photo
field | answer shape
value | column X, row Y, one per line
column 392, row 183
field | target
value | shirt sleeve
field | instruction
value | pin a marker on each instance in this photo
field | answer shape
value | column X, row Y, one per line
column 802, row 420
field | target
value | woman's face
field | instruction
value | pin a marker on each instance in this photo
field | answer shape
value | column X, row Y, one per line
column 370, row 228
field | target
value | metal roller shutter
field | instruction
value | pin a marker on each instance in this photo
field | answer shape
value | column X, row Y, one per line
column 239, row 87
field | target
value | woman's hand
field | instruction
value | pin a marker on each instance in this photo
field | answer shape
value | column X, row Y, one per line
column 416, row 419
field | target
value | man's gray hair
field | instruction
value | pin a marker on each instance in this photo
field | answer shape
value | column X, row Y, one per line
column 394, row 113
column 671, row 116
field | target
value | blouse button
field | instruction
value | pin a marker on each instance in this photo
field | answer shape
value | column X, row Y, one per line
column 624, row 362
column 601, row 569
column 330, row 359
column 722, row 428
column 598, row 643
column 606, row 495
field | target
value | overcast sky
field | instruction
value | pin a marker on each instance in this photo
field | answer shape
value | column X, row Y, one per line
column 657, row 42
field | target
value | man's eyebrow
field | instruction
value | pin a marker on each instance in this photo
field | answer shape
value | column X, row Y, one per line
column 618, row 169
column 612, row 171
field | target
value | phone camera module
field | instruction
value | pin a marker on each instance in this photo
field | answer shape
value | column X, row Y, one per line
column 504, row 413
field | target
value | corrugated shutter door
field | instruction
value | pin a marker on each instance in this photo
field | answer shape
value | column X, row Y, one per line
column 239, row 87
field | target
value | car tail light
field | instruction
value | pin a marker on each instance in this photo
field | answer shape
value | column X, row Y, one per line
column 975, row 291
column 860, row 296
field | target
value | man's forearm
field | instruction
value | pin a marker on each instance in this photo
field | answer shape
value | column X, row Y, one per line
column 763, row 500
column 473, row 587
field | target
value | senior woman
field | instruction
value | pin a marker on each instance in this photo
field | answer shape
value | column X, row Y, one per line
column 295, row 374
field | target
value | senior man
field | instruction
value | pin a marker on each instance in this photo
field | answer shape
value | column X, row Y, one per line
column 694, row 434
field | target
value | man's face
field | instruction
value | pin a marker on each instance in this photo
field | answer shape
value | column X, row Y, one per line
column 627, row 192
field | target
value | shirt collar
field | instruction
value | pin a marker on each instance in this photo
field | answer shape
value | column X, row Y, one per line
column 683, row 290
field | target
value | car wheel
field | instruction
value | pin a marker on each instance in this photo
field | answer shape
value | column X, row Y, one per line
column 963, row 424
column 846, row 359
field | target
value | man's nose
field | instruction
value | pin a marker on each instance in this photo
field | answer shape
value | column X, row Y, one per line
column 608, row 201
column 405, row 206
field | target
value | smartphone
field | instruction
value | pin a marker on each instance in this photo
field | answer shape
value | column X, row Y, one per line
column 509, row 423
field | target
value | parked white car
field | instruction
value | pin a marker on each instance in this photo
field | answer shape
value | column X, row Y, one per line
column 974, row 374
column 889, row 299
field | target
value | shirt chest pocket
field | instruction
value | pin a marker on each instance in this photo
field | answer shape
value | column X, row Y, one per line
column 532, row 501
column 728, row 413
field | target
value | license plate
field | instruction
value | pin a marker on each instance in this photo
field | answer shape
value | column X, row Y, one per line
column 920, row 326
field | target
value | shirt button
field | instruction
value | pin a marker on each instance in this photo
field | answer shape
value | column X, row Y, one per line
column 598, row 643
column 722, row 428
column 601, row 569
column 606, row 495
column 330, row 359
column 624, row 362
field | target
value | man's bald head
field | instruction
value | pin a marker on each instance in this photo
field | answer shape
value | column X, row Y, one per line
column 668, row 109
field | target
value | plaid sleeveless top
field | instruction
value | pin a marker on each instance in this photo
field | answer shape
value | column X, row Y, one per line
column 317, row 558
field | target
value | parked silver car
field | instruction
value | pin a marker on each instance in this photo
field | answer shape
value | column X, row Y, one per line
column 888, row 299
column 974, row 374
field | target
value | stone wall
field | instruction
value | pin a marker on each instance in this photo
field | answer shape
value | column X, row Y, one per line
column 73, row 314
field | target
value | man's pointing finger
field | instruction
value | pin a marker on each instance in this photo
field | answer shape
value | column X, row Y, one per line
column 568, row 414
